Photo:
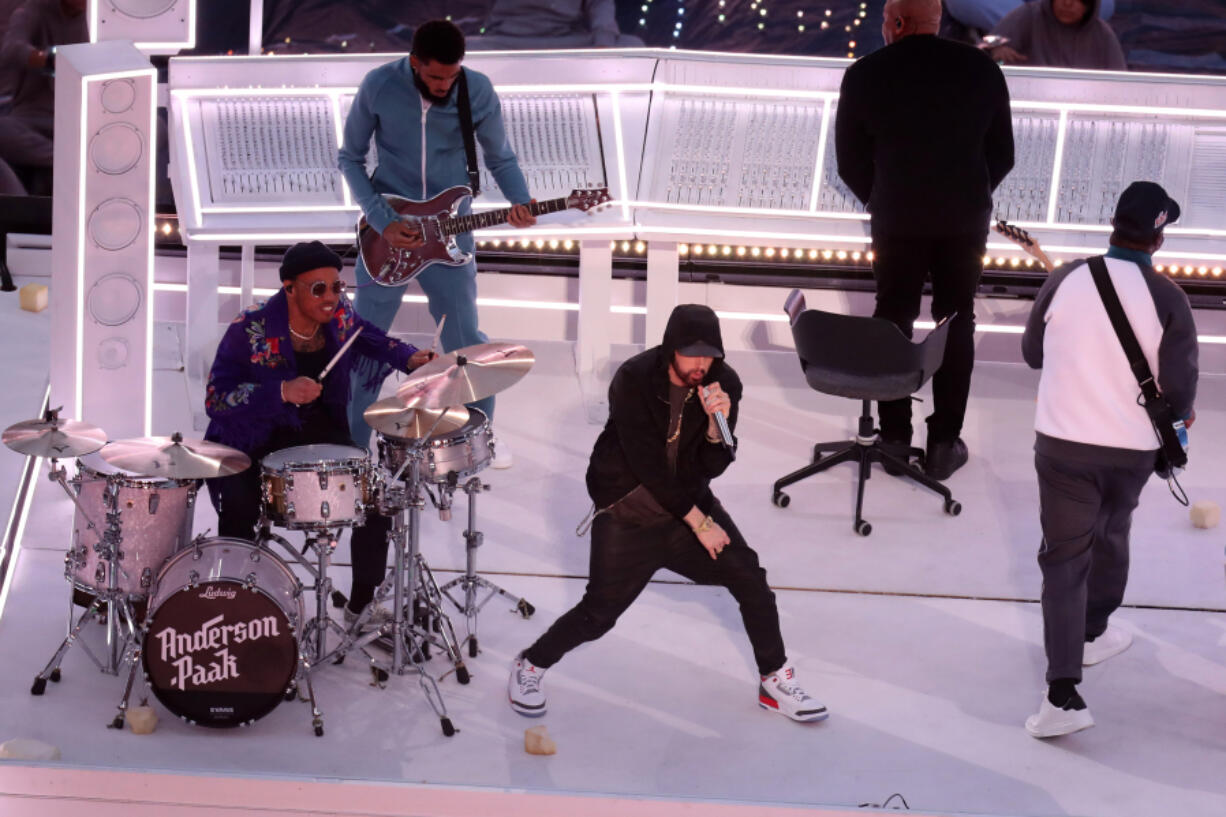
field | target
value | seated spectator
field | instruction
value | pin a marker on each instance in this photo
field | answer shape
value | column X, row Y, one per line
column 1059, row 34
column 34, row 30
column 981, row 16
column 525, row 24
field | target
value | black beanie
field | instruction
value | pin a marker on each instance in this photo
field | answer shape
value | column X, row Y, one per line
column 306, row 256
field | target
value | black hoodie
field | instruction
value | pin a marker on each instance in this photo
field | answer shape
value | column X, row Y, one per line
column 632, row 448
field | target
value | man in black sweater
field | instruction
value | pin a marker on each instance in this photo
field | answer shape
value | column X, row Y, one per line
column 923, row 136
column 650, row 476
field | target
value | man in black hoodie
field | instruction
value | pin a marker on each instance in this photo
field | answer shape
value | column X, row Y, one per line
column 649, row 477
column 923, row 136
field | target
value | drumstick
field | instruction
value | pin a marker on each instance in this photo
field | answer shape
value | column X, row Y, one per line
column 438, row 334
column 338, row 354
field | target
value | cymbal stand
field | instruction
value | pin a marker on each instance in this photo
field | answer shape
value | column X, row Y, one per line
column 470, row 583
column 115, row 601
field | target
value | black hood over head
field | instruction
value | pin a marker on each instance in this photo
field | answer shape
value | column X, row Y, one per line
column 693, row 330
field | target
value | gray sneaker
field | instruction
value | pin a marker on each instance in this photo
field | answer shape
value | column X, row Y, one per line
column 524, row 688
column 379, row 616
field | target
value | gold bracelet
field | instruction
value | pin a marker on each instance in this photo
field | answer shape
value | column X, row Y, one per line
column 705, row 525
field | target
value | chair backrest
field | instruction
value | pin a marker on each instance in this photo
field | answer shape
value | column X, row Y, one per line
column 861, row 357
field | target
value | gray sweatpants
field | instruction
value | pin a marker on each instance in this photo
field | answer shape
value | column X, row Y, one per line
column 1086, row 513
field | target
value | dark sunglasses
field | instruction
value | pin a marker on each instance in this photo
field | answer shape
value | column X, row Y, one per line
column 320, row 287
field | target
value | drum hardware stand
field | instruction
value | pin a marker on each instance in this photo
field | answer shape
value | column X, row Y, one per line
column 323, row 543
column 470, row 583
column 115, row 601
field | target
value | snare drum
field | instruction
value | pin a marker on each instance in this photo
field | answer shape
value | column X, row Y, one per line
column 464, row 452
column 155, row 518
column 309, row 487
column 221, row 645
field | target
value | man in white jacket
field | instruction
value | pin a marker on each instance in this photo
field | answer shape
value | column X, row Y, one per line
column 1095, row 446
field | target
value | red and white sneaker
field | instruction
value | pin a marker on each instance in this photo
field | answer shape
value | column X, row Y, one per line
column 780, row 692
column 524, row 688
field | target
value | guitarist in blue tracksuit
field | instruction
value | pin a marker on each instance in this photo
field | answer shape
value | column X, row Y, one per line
column 409, row 106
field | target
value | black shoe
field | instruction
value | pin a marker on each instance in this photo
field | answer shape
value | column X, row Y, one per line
column 901, row 449
column 943, row 458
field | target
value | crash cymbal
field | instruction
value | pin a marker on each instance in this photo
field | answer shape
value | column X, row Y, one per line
column 175, row 458
column 54, row 438
column 390, row 417
column 465, row 375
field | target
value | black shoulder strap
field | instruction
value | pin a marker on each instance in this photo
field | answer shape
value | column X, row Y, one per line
column 466, row 130
column 1123, row 329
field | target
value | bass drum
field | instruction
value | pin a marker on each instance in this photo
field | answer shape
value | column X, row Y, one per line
column 221, row 645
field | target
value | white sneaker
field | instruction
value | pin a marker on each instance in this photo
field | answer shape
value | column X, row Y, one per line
column 524, row 688
column 1112, row 642
column 502, row 453
column 1052, row 721
column 780, row 692
column 379, row 616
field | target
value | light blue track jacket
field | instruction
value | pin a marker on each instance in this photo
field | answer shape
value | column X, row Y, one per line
column 421, row 154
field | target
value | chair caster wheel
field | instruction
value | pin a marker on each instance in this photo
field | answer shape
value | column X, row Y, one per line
column 448, row 728
column 340, row 659
column 524, row 609
column 379, row 675
column 290, row 694
column 472, row 647
column 863, row 528
column 39, row 686
column 953, row 507
column 319, row 729
column 55, row 675
column 780, row 500
column 117, row 723
column 461, row 674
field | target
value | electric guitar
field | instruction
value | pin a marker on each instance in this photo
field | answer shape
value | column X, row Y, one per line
column 1026, row 241
column 438, row 223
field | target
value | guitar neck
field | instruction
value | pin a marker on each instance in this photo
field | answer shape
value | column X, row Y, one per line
column 490, row 218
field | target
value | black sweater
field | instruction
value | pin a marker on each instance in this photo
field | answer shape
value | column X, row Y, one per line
column 924, row 135
column 632, row 449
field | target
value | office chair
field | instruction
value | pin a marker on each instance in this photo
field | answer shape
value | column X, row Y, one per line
column 865, row 359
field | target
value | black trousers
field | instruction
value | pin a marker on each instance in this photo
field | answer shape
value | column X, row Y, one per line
column 237, row 502
column 1086, row 515
column 901, row 264
column 626, row 556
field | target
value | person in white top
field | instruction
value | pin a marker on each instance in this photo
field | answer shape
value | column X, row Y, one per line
column 1095, row 446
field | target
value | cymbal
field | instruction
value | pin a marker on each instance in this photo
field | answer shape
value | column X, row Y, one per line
column 465, row 375
column 175, row 458
column 390, row 417
column 54, row 438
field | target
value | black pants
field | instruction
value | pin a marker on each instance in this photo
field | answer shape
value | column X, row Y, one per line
column 237, row 501
column 954, row 263
column 626, row 556
column 1086, row 514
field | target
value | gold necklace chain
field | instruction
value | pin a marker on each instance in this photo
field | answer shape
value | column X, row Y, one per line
column 680, row 415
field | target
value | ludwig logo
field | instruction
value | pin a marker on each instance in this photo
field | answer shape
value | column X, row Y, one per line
column 215, row 592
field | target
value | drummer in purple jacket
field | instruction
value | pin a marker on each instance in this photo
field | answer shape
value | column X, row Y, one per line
column 264, row 394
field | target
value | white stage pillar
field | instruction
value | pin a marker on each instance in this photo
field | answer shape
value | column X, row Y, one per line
column 662, row 288
column 592, row 346
column 102, row 222
column 203, row 280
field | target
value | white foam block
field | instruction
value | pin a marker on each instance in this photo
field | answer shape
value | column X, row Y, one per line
column 1205, row 514
column 33, row 297
column 28, row 748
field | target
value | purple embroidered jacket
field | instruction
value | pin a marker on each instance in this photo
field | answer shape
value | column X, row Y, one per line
column 243, row 399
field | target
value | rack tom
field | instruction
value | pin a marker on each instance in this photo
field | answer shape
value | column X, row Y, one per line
column 462, row 452
column 312, row 487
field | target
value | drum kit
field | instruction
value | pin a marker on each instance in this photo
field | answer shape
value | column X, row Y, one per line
column 218, row 625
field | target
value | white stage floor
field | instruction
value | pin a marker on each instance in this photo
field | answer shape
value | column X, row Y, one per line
column 924, row 639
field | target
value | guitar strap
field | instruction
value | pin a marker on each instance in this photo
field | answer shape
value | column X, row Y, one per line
column 466, row 130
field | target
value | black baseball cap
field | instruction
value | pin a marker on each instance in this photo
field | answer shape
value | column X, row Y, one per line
column 693, row 331
column 1143, row 210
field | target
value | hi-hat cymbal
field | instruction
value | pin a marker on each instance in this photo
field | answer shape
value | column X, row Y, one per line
column 175, row 458
column 465, row 375
column 54, row 438
column 390, row 417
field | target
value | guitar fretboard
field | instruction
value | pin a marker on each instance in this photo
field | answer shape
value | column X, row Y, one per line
column 477, row 221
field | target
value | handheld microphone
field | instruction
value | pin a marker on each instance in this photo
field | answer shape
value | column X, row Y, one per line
column 721, row 423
